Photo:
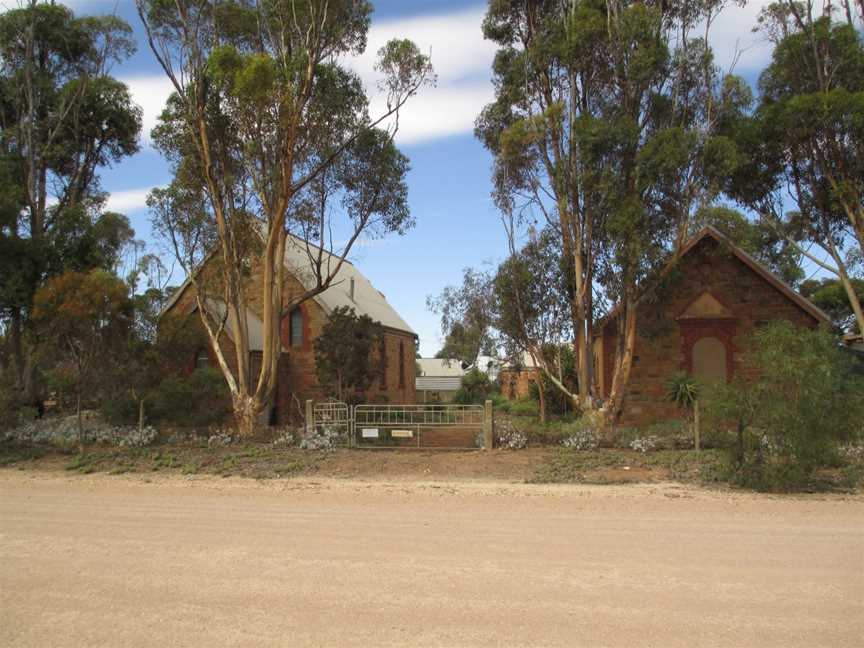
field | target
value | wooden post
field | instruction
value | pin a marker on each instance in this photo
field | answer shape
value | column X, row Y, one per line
column 696, row 425
column 487, row 426
column 310, row 419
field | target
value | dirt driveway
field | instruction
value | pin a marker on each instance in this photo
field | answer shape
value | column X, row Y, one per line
column 123, row 561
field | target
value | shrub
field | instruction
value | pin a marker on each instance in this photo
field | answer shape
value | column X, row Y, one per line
column 803, row 403
column 644, row 444
column 584, row 433
column 198, row 400
column 524, row 407
column 508, row 436
column 475, row 388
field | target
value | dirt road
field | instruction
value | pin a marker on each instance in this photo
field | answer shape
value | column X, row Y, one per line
column 119, row 561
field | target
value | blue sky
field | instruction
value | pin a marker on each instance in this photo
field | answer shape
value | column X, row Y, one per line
column 449, row 183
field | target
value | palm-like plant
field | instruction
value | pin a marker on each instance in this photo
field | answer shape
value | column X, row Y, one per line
column 683, row 390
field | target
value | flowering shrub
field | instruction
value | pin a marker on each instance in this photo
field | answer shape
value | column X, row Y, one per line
column 220, row 437
column 853, row 452
column 284, row 438
column 512, row 440
column 326, row 438
column 644, row 444
column 584, row 433
column 64, row 432
column 584, row 439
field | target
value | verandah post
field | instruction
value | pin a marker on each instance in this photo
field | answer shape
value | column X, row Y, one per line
column 310, row 421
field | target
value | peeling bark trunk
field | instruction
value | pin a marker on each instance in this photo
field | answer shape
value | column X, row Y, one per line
column 542, row 397
column 623, row 362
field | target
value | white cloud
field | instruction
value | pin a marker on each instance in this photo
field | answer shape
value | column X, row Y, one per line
column 454, row 40
column 150, row 92
column 732, row 34
column 462, row 60
column 128, row 200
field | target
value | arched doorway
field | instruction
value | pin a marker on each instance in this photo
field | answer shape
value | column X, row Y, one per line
column 709, row 360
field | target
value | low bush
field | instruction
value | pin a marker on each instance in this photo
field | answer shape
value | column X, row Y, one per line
column 197, row 400
column 475, row 388
column 790, row 420
column 525, row 407
column 585, row 433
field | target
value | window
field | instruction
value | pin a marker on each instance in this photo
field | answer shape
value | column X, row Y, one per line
column 401, row 364
column 296, row 327
column 382, row 376
column 202, row 359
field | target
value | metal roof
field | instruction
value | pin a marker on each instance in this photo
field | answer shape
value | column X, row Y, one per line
column 437, row 383
column 440, row 367
column 349, row 287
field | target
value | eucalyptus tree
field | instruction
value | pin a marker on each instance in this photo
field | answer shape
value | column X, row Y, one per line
column 62, row 118
column 467, row 317
column 603, row 125
column 801, row 166
column 532, row 309
column 269, row 134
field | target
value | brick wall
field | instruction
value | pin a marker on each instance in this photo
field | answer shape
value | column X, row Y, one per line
column 517, row 384
column 664, row 345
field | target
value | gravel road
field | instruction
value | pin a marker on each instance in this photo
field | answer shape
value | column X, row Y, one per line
column 172, row 561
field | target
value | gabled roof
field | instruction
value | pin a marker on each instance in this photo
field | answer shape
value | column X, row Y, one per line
column 440, row 367
column 349, row 287
column 711, row 232
column 366, row 300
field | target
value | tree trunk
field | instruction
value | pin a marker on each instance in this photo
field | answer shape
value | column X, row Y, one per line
column 140, row 415
column 80, row 421
column 583, row 359
column 542, row 397
column 246, row 411
column 623, row 363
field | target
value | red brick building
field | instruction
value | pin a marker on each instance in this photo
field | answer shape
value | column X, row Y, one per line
column 297, row 377
column 713, row 299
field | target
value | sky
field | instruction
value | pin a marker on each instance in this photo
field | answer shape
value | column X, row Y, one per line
column 449, row 182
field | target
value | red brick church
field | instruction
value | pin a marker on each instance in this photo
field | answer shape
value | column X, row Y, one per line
column 297, row 377
column 715, row 297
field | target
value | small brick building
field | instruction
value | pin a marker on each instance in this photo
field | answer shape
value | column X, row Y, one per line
column 714, row 298
column 297, row 379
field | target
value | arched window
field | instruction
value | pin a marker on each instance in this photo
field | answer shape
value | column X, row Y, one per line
column 296, row 327
column 202, row 359
column 709, row 360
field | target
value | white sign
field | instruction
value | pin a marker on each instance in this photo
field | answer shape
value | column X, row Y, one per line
column 402, row 434
column 370, row 433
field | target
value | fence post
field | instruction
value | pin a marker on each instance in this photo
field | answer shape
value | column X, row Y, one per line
column 310, row 420
column 487, row 426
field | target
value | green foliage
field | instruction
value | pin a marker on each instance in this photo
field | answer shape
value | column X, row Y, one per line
column 344, row 360
column 198, row 400
column 829, row 295
column 683, row 390
column 790, row 419
column 474, row 389
column 525, row 407
column 466, row 317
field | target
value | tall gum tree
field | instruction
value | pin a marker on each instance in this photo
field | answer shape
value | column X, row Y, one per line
column 802, row 148
column 269, row 134
column 603, row 126
column 63, row 117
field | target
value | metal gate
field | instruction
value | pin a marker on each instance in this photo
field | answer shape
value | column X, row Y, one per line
column 332, row 418
column 401, row 426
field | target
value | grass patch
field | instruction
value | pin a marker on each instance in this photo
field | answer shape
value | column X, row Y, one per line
column 566, row 465
column 13, row 454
